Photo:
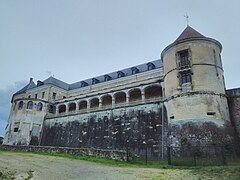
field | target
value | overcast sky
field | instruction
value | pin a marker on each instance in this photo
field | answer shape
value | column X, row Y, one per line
column 79, row 39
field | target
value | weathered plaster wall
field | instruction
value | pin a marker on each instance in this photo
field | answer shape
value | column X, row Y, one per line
column 110, row 129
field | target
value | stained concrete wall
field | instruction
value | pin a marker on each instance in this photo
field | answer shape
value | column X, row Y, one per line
column 115, row 129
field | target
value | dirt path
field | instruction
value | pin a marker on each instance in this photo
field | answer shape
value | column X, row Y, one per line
column 48, row 167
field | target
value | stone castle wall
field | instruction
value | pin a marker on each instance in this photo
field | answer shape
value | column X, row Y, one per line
column 131, row 127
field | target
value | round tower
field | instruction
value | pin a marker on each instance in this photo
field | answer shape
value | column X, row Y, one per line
column 194, row 81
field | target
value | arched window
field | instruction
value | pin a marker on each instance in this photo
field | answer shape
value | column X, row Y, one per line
column 120, row 74
column 82, row 105
column 20, row 105
column 153, row 91
column 62, row 108
column 106, row 100
column 94, row 103
column 72, row 106
column 51, row 109
column 135, row 95
column 29, row 105
column 107, row 77
column 135, row 70
column 95, row 81
column 120, row 97
column 150, row 66
column 83, row 84
column 39, row 106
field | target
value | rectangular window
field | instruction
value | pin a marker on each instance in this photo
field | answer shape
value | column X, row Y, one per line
column 15, row 129
column 183, row 59
column 43, row 94
column 54, row 95
column 185, row 77
column 29, row 96
column 36, row 96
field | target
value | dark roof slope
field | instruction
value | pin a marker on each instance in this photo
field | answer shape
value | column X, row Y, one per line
column 189, row 33
column 30, row 85
column 53, row 81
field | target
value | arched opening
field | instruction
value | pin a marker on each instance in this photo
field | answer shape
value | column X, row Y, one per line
column 39, row 106
column 94, row 103
column 107, row 100
column 51, row 109
column 135, row 95
column 20, row 105
column 72, row 106
column 29, row 105
column 62, row 108
column 120, row 97
column 82, row 105
column 153, row 91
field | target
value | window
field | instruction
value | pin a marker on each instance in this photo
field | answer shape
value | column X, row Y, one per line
column 29, row 96
column 107, row 77
column 134, row 70
column 120, row 74
column 183, row 59
column 210, row 113
column 43, row 94
column 20, row 105
column 15, row 130
column 30, row 105
column 83, row 84
column 36, row 96
column 185, row 77
column 150, row 66
column 95, row 81
column 54, row 95
column 39, row 106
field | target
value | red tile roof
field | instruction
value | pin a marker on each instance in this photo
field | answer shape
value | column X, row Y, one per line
column 189, row 33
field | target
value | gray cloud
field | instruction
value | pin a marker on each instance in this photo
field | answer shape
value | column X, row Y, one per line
column 5, row 102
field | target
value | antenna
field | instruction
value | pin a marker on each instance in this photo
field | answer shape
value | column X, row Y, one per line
column 187, row 19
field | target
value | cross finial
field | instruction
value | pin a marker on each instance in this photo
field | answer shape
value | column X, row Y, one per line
column 187, row 20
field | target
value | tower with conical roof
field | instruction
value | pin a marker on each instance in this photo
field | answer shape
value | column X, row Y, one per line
column 194, row 86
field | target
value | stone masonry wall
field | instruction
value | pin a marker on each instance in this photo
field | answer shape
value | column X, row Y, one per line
column 234, row 109
column 118, row 155
column 116, row 129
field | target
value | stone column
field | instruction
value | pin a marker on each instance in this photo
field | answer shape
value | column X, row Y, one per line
column 143, row 95
column 100, row 103
column 57, row 109
column 67, row 108
column 113, row 102
column 77, row 105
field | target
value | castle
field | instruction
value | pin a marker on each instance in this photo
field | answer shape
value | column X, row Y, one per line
column 179, row 99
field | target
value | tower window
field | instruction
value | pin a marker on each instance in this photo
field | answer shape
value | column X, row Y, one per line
column 183, row 59
column 36, row 96
column 54, row 95
column 30, row 105
column 20, row 105
column 43, row 94
column 185, row 77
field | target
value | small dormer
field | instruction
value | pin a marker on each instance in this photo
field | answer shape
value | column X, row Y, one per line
column 107, row 77
column 120, row 74
column 150, row 66
column 83, row 84
column 95, row 81
column 135, row 70
column 39, row 83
